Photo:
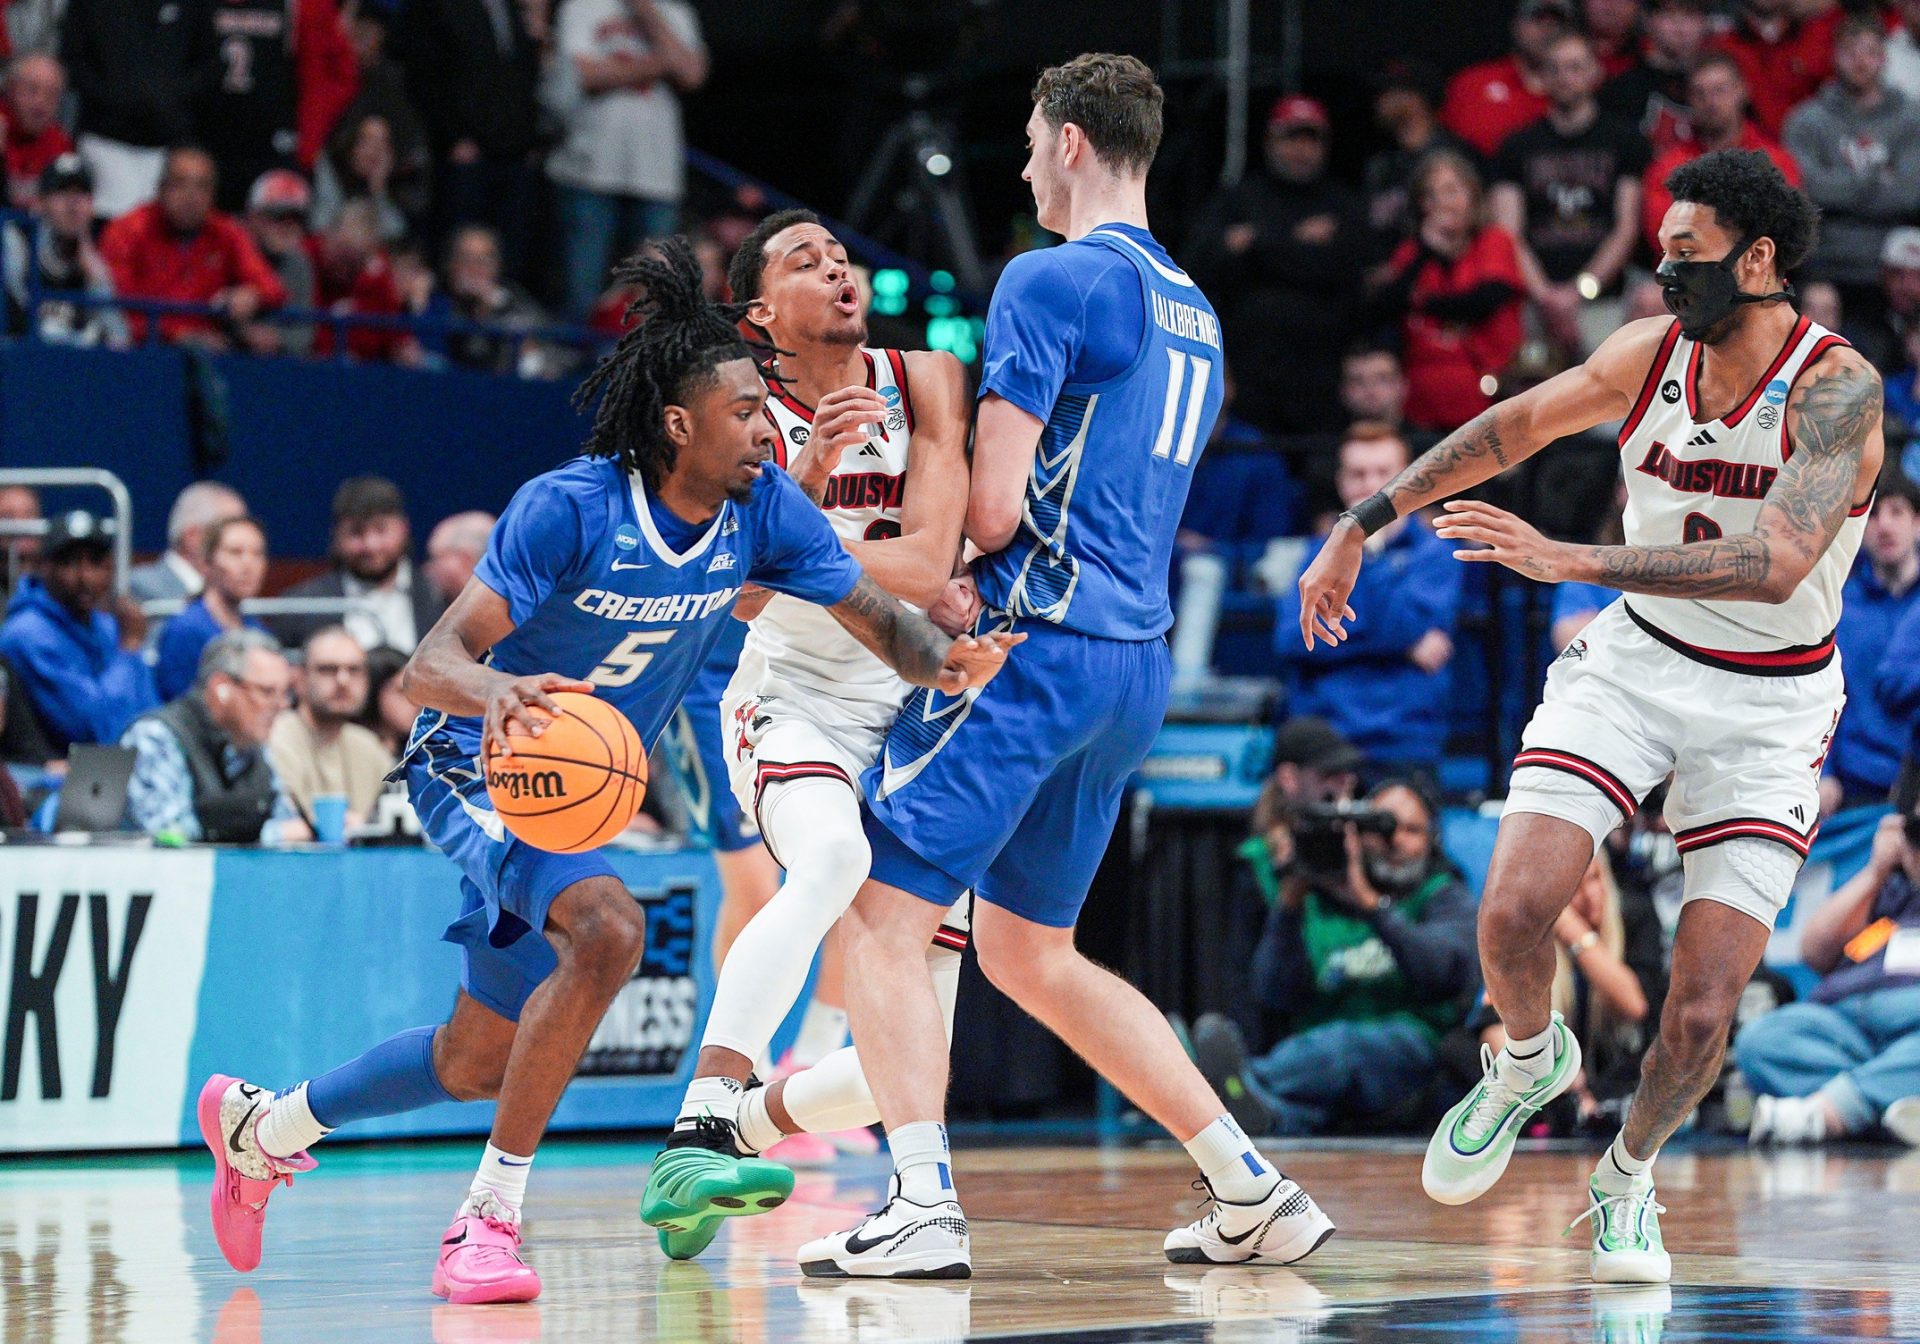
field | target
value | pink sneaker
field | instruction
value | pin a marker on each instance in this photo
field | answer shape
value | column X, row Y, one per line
column 854, row 1142
column 802, row 1150
column 480, row 1261
column 230, row 1111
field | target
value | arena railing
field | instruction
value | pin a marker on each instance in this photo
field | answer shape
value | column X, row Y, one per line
column 74, row 478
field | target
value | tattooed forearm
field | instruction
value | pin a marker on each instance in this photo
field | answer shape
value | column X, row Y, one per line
column 903, row 639
column 1477, row 450
column 1733, row 568
column 1829, row 424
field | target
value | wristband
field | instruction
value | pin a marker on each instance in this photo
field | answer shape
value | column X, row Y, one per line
column 1373, row 513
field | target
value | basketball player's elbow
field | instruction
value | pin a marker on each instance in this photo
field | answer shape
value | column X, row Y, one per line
column 991, row 523
column 1782, row 570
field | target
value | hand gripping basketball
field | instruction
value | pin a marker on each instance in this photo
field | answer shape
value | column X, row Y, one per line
column 573, row 780
column 509, row 704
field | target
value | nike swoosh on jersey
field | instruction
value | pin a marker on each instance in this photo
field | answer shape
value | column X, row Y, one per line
column 619, row 565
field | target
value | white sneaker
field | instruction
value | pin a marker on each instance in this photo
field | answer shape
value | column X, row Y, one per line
column 1627, row 1247
column 1788, row 1120
column 904, row 1240
column 1284, row 1227
column 1902, row 1120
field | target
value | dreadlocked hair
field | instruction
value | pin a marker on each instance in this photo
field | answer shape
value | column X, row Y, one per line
column 679, row 338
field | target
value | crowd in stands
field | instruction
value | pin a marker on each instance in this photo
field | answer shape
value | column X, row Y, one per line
column 364, row 159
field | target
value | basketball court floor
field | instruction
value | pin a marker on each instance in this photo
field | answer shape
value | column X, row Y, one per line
column 1789, row 1246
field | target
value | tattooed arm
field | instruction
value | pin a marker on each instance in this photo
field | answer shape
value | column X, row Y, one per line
column 1586, row 395
column 1833, row 424
column 914, row 646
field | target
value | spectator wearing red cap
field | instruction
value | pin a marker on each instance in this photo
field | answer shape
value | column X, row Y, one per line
column 1716, row 109
column 1279, row 250
column 1488, row 102
column 36, row 83
column 287, row 72
column 1783, row 58
column 180, row 248
column 1568, row 187
column 1651, row 93
column 1454, row 291
column 276, row 221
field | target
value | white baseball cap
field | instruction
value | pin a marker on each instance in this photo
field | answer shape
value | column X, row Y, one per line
column 1901, row 250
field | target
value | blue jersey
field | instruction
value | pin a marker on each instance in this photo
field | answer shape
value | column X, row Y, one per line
column 597, row 594
column 1128, row 389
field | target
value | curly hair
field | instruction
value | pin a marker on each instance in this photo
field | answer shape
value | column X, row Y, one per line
column 1750, row 198
column 681, row 337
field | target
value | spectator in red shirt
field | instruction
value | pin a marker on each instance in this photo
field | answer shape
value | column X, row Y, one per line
column 1783, row 59
column 352, row 275
column 1716, row 105
column 1488, row 102
column 35, row 138
column 1455, row 289
column 180, row 248
column 1613, row 26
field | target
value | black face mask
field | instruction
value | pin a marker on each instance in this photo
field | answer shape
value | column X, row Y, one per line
column 1701, row 293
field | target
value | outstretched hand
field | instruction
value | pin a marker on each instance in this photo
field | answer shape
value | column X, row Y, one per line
column 975, row 660
column 1506, row 538
column 1328, row 583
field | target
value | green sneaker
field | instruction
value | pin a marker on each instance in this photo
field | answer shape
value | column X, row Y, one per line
column 1470, row 1149
column 698, row 1182
column 1626, row 1235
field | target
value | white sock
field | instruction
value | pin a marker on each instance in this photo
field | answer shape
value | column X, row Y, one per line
column 822, row 1031
column 288, row 1127
column 922, row 1161
column 502, row 1176
column 1618, row 1168
column 753, row 1126
column 1527, row 1059
column 1232, row 1165
column 717, row 1097
column 814, row 824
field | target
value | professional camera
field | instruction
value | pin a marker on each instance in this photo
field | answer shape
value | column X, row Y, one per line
column 1320, row 834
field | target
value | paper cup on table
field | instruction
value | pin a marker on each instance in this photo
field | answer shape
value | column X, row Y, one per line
column 330, row 818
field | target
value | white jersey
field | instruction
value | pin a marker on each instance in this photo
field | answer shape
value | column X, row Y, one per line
column 795, row 650
column 1692, row 479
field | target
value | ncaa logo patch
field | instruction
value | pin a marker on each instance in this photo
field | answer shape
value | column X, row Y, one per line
column 800, row 434
column 626, row 537
column 1768, row 417
column 1670, row 391
column 1776, row 391
column 890, row 395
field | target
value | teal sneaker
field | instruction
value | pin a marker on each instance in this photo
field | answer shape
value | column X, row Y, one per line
column 1470, row 1149
column 702, row 1180
column 1626, row 1235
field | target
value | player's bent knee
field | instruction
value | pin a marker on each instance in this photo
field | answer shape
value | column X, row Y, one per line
column 1509, row 919
column 467, row 1076
column 601, row 931
column 1696, row 1027
column 1022, row 968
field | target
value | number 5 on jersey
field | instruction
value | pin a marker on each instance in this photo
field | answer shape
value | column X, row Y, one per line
column 624, row 662
column 1196, row 401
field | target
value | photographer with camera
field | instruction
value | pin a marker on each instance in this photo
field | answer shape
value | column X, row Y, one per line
column 1849, row 1057
column 1368, row 952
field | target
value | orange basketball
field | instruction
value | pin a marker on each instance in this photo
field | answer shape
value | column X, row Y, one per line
column 576, row 785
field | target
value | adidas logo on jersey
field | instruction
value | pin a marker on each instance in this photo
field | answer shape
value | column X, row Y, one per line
column 871, row 449
column 1701, row 440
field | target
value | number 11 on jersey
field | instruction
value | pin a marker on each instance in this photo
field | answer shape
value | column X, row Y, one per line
column 1178, row 362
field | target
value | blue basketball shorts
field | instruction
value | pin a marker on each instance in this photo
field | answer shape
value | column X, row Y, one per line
column 697, row 756
column 1013, row 790
column 506, row 885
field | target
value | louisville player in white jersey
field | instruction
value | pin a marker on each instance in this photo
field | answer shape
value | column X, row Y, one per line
column 1750, row 444
column 877, row 438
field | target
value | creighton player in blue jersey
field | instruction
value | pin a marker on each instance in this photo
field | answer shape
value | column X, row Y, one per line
column 1102, row 380
column 611, row 575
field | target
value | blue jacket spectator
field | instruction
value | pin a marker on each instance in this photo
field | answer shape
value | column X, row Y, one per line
column 1385, row 686
column 1574, row 604
column 1883, row 588
column 65, row 650
column 236, row 561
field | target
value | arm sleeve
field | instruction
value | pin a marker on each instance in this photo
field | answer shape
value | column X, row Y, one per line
column 160, row 792
column 799, row 553
column 535, row 543
column 1036, row 326
column 1282, row 973
column 1437, row 953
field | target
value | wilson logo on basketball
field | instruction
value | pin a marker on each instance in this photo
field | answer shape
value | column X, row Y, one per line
column 517, row 784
